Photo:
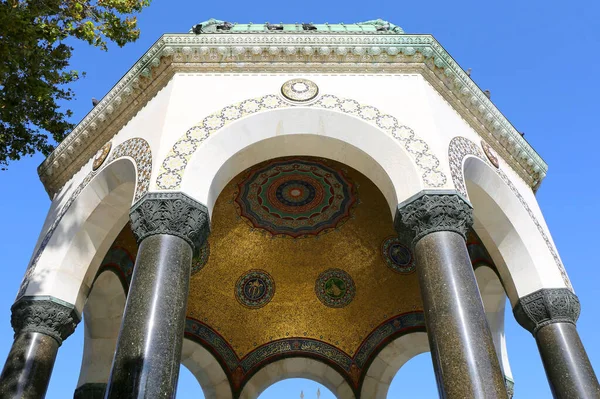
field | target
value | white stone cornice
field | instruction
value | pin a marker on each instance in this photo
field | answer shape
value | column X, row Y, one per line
column 284, row 52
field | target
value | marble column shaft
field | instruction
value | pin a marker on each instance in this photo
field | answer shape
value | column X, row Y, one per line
column 462, row 348
column 169, row 228
column 40, row 324
column 550, row 315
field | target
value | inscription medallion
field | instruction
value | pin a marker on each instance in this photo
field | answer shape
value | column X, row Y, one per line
column 397, row 256
column 335, row 288
column 255, row 289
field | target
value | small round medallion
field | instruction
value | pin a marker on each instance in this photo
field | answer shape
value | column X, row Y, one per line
column 397, row 256
column 490, row 154
column 101, row 155
column 199, row 261
column 255, row 289
column 335, row 288
column 299, row 90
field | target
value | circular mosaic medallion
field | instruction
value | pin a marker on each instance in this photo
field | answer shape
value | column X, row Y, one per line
column 490, row 154
column 397, row 256
column 101, row 155
column 199, row 261
column 295, row 197
column 299, row 90
column 255, row 289
column 335, row 288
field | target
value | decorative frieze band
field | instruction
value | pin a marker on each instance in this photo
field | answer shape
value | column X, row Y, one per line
column 172, row 213
column 46, row 316
column 316, row 53
column 430, row 211
column 547, row 306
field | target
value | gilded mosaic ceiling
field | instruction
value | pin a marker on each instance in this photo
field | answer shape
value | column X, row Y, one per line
column 302, row 260
column 296, row 250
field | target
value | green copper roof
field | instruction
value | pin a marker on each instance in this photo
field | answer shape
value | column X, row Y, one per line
column 219, row 26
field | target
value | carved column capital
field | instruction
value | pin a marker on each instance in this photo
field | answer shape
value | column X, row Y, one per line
column 547, row 306
column 46, row 316
column 172, row 213
column 433, row 210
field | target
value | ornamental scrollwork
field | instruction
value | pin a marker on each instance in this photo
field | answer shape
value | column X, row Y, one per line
column 432, row 211
column 44, row 316
column 173, row 214
column 547, row 306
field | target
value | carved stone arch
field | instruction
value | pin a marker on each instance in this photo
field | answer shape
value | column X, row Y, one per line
column 206, row 368
column 493, row 296
column 109, row 183
column 102, row 315
column 427, row 165
column 517, row 216
column 389, row 359
column 297, row 367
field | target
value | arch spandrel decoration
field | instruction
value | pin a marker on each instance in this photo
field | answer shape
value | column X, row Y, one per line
column 139, row 151
column 174, row 165
column 459, row 149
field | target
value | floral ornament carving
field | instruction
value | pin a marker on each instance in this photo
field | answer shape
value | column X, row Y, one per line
column 173, row 167
column 175, row 214
column 433, row 211
column 137, row 149
column 458, row 150
column 45, row 317
column 547, row 306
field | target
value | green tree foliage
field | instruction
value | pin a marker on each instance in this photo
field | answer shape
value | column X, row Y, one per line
column 34, row 61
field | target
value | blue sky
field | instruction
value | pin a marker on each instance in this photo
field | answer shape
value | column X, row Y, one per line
column 538, row 58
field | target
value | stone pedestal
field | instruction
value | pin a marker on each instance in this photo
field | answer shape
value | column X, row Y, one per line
column 40, row 327
column 168, row 227
column 550, row 315
column 464, row 357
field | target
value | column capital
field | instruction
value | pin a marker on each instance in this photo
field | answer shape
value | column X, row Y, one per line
column 433, row 210
column 172, row 213
column 45, row 315
column 547, row 306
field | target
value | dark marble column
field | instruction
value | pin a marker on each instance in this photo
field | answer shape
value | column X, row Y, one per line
column 464, row 357
column 40, row 324
column 91, row 390
column 168, row 228
column 550, row 315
